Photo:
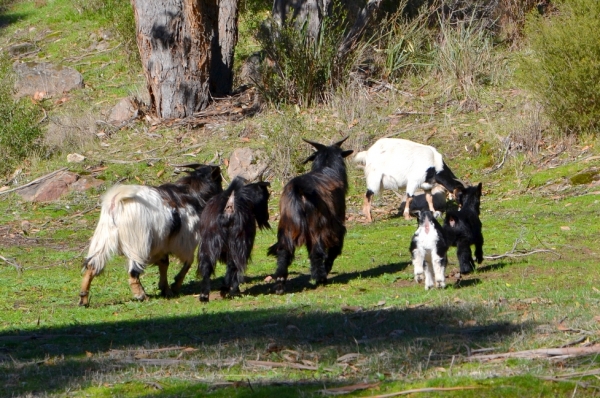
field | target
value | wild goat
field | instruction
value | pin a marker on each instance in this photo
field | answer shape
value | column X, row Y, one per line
column 463, row 228
column 429, row 249
column 146, row 224
column 312, row 212
column 393, row 163
column 228, row 230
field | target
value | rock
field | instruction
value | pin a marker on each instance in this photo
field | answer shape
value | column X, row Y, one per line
column 84, row 183
column 75, row 158
column 45, row 80
column 50, row 189
column 21, row 48
column 242, row 163
column 126, row 110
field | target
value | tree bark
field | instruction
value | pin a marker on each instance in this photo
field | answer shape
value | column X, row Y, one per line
column 174, row 39
column 310, row 12
column 223, row 46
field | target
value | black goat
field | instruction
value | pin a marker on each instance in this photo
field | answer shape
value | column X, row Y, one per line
column 312, row 212
column 146, row 224
column 228, row 228
column 463, row 228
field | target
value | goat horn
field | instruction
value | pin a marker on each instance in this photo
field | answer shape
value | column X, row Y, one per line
column 315, row 144
column 339, row 143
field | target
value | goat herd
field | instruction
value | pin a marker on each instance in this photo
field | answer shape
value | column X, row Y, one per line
column 147, row 224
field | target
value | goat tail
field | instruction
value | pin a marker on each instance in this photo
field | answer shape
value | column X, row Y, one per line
column 361, row 158
column 105, row 242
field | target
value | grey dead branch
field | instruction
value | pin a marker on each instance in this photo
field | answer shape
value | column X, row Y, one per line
column 552, row 353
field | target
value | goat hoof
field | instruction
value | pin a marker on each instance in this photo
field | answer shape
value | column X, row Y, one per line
column 167, row 293
column 174, row 289
column 437, row 214
column 419, row 278
column 440, row 284
column 141, row 297
column 83, row 303
column 427, row 287
column 203, row 298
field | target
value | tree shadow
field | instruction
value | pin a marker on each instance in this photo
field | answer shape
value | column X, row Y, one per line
column 7, row 19
column 55, row 358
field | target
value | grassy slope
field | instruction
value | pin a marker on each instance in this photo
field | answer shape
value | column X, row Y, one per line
column 404, row 336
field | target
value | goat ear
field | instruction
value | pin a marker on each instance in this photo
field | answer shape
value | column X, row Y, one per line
column 264, row 183
column 347, row 153
column 310, row 158
column 479, row 189
column 339, row 143
column 315, row 144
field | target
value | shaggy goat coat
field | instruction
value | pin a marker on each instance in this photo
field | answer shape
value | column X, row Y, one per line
column 312, row 212
column 228, row 230
column 429, row 249
column 463, row 228
column 393, row 163
column 146, row 224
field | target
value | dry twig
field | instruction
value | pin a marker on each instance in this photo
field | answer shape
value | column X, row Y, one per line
column 512, row 254
column 42, row 178
column 427, row 389
column 566, row 352
column 17, row 266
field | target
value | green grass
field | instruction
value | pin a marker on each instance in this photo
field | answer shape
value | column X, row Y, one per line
column 403, row 336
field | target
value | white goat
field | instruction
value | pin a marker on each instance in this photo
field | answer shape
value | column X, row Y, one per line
column 392, row 163
column 146, row 224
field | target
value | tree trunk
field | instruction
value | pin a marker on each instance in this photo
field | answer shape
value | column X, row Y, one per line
column 223, row 45
column 310, row 12
column 174, row 39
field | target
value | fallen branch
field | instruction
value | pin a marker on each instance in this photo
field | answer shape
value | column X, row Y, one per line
column 512, row 254
column 567, row 352
column 40, row 179
column 171, row 362
column 269, row 364
column 578, row 383
column 151, row 350
column 17, row 266
column 117, row 161
column 427, row 389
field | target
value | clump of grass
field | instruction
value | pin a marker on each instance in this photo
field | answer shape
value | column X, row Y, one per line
column 20, row 132
column 286, row 139
column 465, row 58
column 561, row 67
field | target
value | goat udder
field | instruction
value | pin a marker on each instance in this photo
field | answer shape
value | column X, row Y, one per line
column 427, row 226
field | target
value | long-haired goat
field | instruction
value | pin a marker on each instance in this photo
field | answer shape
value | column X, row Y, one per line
column 392, row 163
column 312, row 212
column 463, row 228
column 429, row 249
column 146, row 224
column 228, row 230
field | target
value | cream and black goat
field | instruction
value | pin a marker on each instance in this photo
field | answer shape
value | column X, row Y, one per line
column 146, row 224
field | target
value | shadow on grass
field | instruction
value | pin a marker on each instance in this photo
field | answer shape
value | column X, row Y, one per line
column 7, row 19
column 55, row 358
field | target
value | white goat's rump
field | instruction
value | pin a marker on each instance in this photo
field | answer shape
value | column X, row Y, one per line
column 133, row 220
column 393, row 163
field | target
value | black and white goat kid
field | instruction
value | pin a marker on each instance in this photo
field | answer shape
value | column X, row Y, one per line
column 146, row 224
column 228, row 228
column 463, row 228
column 428, row 249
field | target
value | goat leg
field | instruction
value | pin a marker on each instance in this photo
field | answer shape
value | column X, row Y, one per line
column 206, row 267
column 231, row 283
column 366, row 209
column 409, row 199
column 284, row 259
column 163, row 283
column 429, row 200
column 85, row 286
column 176, row 286
column 136, row 286
column 317, row 266
column 465, row 258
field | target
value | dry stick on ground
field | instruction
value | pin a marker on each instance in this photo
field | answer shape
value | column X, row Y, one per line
column 42, row 178
column 269, row 364
column 512, row 254
column 578, row 383
column 540, row 353
column 428, row 389
column 17, row 266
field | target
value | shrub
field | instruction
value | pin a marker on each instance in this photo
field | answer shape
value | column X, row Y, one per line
column 301, row 69
column 562, row 66
column 20, row 132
